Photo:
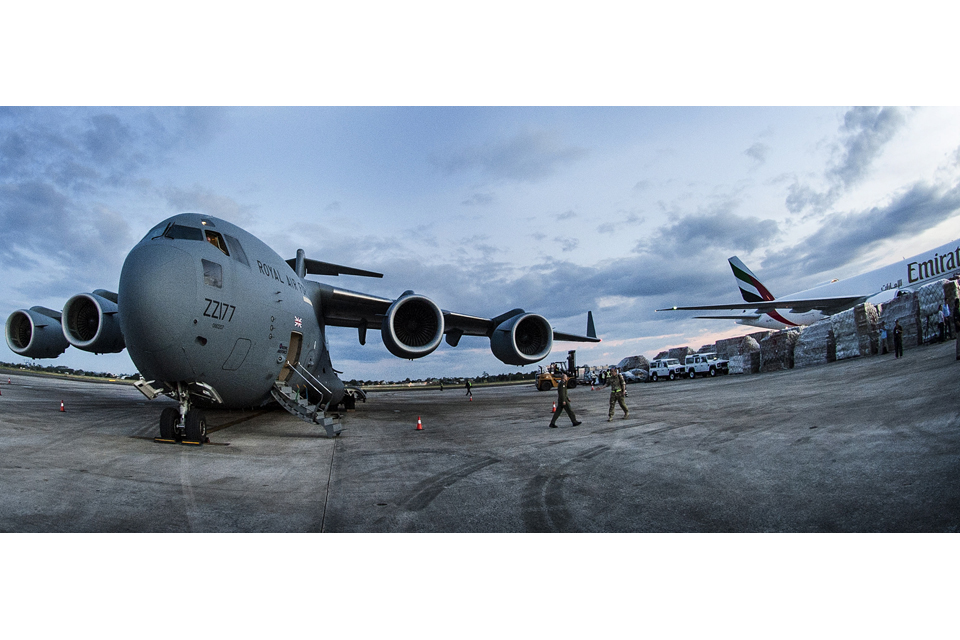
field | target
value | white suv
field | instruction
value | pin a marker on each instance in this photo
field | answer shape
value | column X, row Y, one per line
column 706, row 364
column 669, row 368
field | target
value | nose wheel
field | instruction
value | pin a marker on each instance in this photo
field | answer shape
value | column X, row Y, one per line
column 186, row 425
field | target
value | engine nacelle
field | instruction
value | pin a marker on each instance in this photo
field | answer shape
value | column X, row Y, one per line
column 91, row 323
column 35, row 333
column 523, row 339
column 413, row 326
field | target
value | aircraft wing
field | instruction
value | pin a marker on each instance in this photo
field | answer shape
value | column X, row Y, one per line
column 827, row 306
column 344, row 308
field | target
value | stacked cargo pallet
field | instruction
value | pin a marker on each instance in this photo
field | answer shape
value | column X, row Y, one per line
column 680, row 353
column 634, row 362
column 815, row 345
column 856, row 332
column 931, row 298
column 867, row 318
column 904, row 308
column 776, row 350
column 743, row 353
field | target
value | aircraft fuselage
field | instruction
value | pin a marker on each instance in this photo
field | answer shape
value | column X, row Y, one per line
column 202, row 300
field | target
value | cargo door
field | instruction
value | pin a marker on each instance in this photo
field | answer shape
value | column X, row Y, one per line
column 293, row 356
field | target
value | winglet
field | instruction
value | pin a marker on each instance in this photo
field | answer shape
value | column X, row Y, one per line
column 591, row 329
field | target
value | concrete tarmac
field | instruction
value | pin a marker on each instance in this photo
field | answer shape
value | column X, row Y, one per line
column 865, row 445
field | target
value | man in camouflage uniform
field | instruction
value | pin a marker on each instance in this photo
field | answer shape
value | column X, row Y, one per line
column 563, row 403
column 618, row 391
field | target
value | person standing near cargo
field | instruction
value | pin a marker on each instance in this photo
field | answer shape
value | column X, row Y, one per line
column 618, row 391
column 563, row 403
column 897, row 340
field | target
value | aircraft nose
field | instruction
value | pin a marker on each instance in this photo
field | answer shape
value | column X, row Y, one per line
column 158, row 289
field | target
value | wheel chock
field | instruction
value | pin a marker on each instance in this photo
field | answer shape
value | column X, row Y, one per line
column 165, row 440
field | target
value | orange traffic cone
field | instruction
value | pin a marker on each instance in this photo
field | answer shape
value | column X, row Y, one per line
column 61, row 406
column 554, row 410
column 419, row 424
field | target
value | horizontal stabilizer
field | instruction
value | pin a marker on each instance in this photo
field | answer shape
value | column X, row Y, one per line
column 318, row 268
column 827, row 306
column 590, row 337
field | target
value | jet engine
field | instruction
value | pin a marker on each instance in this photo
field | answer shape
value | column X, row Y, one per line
column 412, row 327
column 523, row 339
column 91, row 323
column 36, row 333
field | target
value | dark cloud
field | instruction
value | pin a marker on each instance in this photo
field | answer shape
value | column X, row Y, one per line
column 758, row 152
column 863, row 134
column 527, row 157
column 844, row 237
column 479, row 199
column 866, row 130
column 30, row 214
column 719, row 231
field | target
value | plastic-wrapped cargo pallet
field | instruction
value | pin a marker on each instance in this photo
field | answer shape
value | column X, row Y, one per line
column 776, row 350
column 680, row 353
column 815, row 345
column 931, row 297
column 743, row 353
column 905, row 309
column 845, row 335
column 867, row 318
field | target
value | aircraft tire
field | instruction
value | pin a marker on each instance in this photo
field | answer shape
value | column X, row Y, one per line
column 196, row 426
column 168, row 422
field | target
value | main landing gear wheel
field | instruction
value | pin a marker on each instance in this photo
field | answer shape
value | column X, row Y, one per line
column 169, row 418
column 195, row 426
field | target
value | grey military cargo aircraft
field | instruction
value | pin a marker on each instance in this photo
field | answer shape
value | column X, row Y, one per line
column 211, row 316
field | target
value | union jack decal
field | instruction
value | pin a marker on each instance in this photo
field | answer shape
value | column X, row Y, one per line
column 298, row 322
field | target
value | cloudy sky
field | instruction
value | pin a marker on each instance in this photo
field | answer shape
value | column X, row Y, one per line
column 554, row 209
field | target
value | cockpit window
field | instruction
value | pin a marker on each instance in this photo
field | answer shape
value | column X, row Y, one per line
column 212, row 274
column 236, row 251
column 216, row 240
column 180, row 232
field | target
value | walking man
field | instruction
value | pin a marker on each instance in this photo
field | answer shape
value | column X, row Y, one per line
column 563, row 403
column 469, row 389
column 618, row 391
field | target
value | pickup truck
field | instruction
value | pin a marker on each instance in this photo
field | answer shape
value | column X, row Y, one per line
column 669, row 368
column 706, row 364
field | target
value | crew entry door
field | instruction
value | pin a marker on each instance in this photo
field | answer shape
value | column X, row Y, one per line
column 293, row 356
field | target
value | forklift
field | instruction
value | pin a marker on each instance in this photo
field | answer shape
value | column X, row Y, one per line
column 549, row 377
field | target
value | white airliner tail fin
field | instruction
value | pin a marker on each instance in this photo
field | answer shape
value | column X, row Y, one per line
column 750, row 286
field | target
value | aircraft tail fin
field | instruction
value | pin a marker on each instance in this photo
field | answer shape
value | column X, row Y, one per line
column 750, row 286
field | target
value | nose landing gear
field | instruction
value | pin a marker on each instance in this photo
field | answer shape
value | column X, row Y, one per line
column 186, row 425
